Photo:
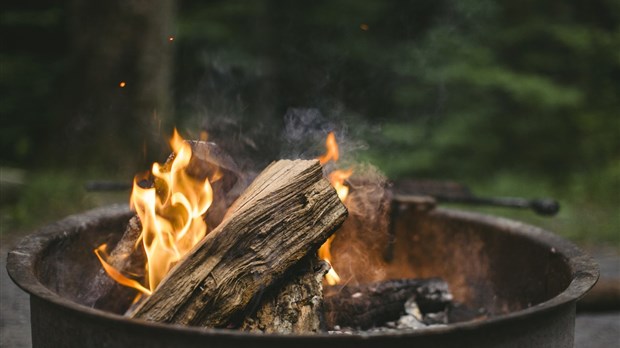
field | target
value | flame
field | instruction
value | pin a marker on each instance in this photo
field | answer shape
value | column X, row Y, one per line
column 332, row 149
column 115, row 274
column 337, row 179
column 171, row 215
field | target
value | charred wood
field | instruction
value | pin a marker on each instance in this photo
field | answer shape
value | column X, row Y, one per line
column 367, row 305
column 128, row 257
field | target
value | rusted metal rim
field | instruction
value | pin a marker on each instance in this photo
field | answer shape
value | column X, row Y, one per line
column 21, row 266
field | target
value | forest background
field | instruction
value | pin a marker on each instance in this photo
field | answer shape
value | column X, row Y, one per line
column 512, row 98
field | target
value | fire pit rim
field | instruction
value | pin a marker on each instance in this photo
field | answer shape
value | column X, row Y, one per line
column 21, row 263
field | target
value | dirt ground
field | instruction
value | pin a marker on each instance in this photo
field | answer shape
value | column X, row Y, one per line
column 592, row 330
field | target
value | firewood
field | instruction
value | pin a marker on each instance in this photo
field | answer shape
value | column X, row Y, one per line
column 285, row 214
column 294, row 305
column 604, row 296
column 208, row 160
column 367, row 305
column 128, row 257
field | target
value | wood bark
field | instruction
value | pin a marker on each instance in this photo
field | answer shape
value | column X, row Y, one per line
column 287, row 213
column 294, row 305
column 367, row 305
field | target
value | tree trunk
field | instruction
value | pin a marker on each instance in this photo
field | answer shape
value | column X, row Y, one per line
column 112, row 42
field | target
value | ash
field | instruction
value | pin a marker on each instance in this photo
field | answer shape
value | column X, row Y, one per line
column 412, row 319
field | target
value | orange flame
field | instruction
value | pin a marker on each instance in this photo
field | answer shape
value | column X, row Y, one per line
column 115, row 274
column 332, row 149
column 337, row 179
column 171, row 215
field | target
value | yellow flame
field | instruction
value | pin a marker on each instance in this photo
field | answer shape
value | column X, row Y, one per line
column 337, row 178
column 171, row 213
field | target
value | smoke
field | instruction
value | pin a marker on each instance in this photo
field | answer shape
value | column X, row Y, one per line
column 300, row 133
column 305, row 131
column 359, row 245
column 361, row 242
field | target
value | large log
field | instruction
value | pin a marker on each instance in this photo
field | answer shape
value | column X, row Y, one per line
column 287, row 213
column 294, row 305
column 367, row 305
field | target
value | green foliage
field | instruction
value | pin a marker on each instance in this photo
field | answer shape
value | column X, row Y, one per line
column 583, row 217
column 31, row 46
column 500, row 95
column 47, row 196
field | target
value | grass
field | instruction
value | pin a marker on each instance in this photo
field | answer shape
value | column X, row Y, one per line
column 48, row 196
column 583, row 218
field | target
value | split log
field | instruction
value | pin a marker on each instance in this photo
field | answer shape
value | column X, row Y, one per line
column 294, row 305
column 285, row 214
column 367, row 305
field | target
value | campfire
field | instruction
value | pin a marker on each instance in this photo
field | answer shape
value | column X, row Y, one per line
column 305, row 253
column 185, row 271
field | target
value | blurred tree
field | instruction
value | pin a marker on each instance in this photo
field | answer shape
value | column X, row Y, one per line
column 117, row 89
column 86, row 83
column 460, row 89
column 31, row 60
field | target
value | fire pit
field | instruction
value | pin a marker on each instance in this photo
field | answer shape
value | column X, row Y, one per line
column 525, row 282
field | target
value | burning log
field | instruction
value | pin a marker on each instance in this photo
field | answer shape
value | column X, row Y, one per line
column 287, row 213
column 367, row 305
column 296, row 306
column 104, row 292
column 210, row 161
column 128, row 257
